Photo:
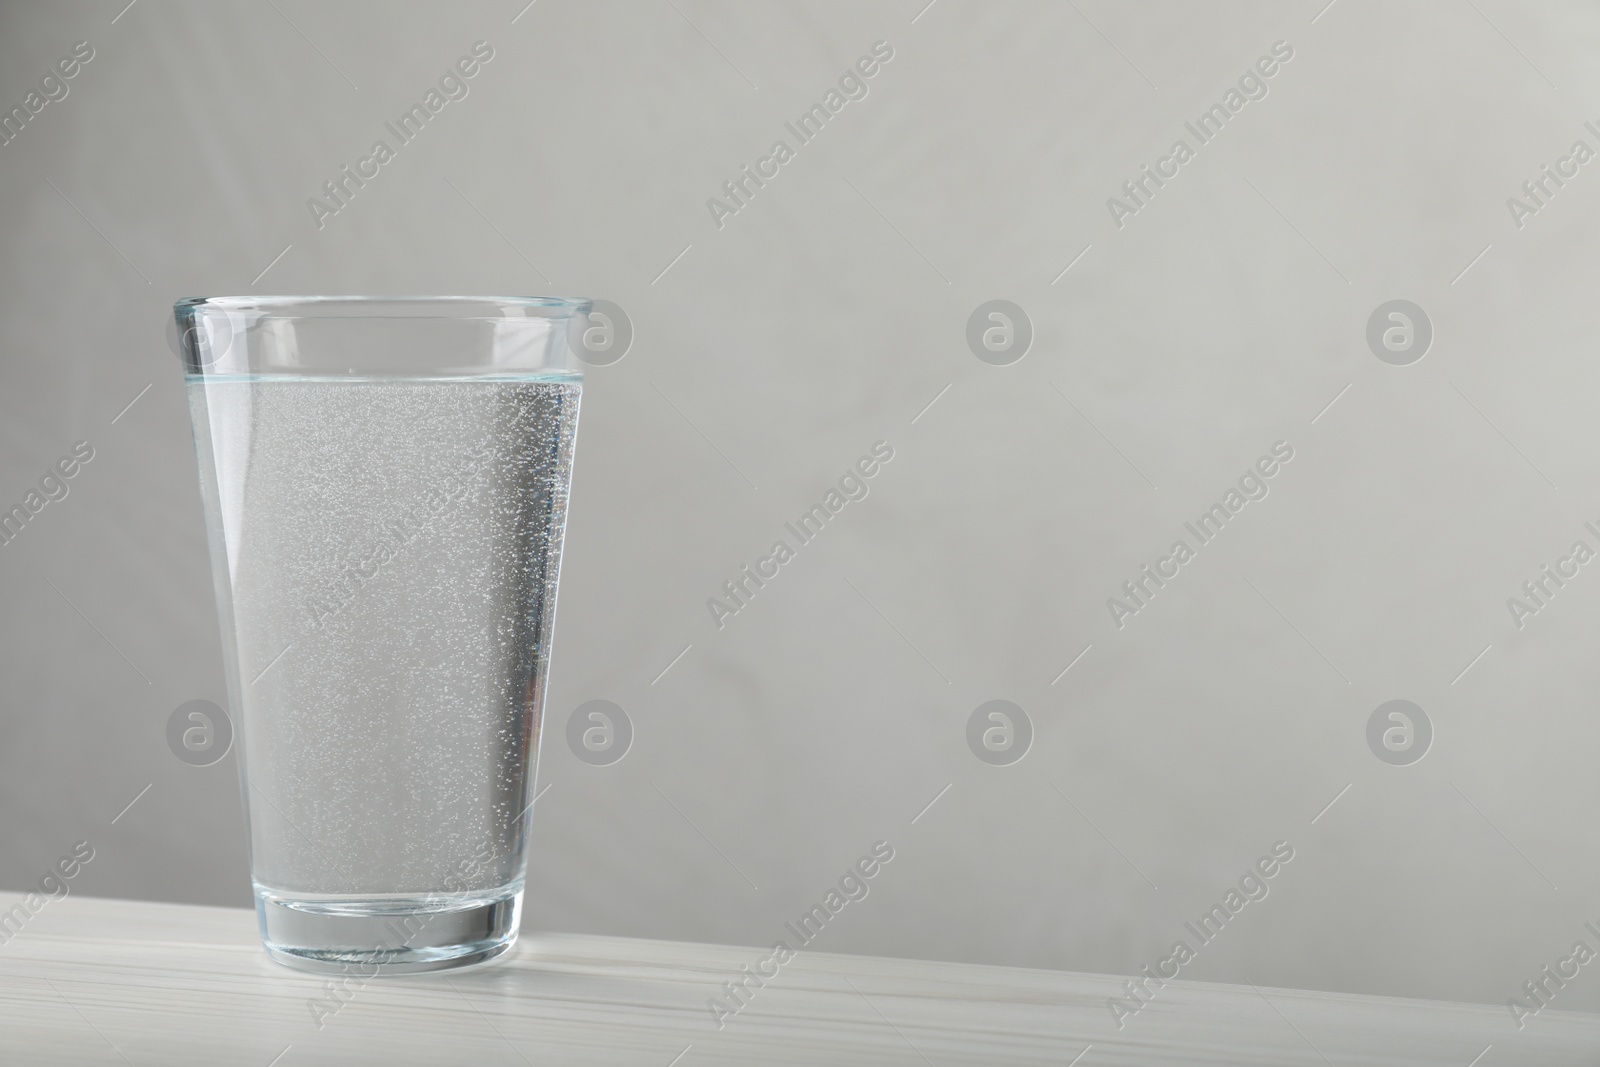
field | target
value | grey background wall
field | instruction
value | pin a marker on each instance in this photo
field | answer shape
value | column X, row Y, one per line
column 830, row 312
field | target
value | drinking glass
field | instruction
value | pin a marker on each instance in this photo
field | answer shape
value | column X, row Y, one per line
column 385, row 485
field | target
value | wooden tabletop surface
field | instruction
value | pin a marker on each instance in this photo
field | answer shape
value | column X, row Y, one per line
column 89, row 981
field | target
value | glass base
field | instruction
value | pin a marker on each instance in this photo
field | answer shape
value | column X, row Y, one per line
column 387, row 935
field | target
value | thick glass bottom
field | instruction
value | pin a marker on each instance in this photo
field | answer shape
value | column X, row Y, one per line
column 398, row 934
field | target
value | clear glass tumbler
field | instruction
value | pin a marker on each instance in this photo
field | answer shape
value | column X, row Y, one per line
column 385, row 485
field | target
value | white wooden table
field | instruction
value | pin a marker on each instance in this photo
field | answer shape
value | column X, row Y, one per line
column 115, row 982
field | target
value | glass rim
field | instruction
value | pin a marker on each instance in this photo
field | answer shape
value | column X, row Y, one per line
column 354, row 337
column 382, row 306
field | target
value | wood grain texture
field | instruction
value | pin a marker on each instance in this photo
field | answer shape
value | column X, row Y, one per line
column 94, row 982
